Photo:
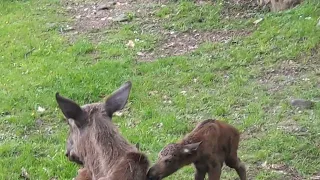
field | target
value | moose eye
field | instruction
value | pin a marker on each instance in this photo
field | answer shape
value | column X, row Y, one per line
column 167, row 161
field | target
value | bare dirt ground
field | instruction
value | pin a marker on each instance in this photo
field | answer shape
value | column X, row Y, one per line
column 92, row 17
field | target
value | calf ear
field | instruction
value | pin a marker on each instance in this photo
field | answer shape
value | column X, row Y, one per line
column 118, row 99
column 191, row 148
column 71, row 110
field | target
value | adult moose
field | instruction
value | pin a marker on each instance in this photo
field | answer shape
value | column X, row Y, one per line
column 94, row 141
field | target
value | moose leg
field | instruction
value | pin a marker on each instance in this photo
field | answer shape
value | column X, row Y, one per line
column 215, row 171
column 201, row 170
column 235, row 163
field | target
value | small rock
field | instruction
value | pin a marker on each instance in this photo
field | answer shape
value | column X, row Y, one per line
column 140, row 53
column 195, row 80
column 85, row 9
column 152, row 93
column 106, row 6
column 103, row 19
column 130, row 44
column 121, row 18
column 69, row 8
column 302, row 104
column 39, row 122
column 68, row 28
column 183, row 93
column 41, row 109
column 118, row 113
column 24, row 173
column 257, row 21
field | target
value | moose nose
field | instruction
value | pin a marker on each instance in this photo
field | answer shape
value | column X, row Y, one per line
column 67, row 153
column 151, row 175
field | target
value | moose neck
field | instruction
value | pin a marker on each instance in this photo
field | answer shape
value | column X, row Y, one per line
column 107, row 147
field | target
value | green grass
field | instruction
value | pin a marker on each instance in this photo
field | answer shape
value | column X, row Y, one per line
column 220, row 80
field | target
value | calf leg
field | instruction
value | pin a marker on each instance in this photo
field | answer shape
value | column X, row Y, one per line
column 235, row 163
column 201, row 170
column 215, row 171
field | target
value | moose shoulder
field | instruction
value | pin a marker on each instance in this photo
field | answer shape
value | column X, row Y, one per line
column 94, row 140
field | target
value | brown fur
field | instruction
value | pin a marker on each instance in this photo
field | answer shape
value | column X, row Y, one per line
column 279, row 5
column 94, row 140
column 83, row 174
column 133, row 166
column 208, row 146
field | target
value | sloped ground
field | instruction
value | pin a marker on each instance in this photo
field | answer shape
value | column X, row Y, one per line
column 188, row 61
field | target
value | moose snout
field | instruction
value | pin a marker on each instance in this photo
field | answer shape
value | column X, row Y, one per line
column 67, row 153
column 152, row 174
column 73, row 158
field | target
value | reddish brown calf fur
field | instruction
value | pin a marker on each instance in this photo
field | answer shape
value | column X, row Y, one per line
column 208, row 146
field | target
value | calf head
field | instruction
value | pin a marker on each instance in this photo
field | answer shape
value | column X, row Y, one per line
column 85, row 120
column 171, row 158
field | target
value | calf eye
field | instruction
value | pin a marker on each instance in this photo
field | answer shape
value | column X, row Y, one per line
column 167, row 161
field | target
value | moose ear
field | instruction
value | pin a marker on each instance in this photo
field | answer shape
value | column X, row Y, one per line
column 118, row 99
column 71, row 110
column 190, row 148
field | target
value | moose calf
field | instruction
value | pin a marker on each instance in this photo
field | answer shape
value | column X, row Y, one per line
column 95, row 143
column 208, row 146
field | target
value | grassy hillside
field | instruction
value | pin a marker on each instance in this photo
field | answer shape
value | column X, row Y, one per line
column 190, row 61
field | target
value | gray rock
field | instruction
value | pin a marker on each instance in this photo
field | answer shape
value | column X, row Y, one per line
column 68, row 29
column 106, row 6
column 121, row 18
column 39, row 122
column 302, row 103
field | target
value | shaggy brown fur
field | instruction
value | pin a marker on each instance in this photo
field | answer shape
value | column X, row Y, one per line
column 133, row 166
column 83, row 174
column 94, row 140
column 208, row 146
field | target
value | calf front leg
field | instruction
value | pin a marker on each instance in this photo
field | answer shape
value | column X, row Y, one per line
column 201, row 170
column 215, row 171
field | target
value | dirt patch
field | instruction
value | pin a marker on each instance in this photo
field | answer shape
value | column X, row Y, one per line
column 253, row 132
column 285, row 74
column 292, row 127
column 237, row 9
column 93, row 16
column 175, row 44
column 289, row 172
column 316, row 176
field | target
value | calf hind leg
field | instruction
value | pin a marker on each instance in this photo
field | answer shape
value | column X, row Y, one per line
column 235, row 163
